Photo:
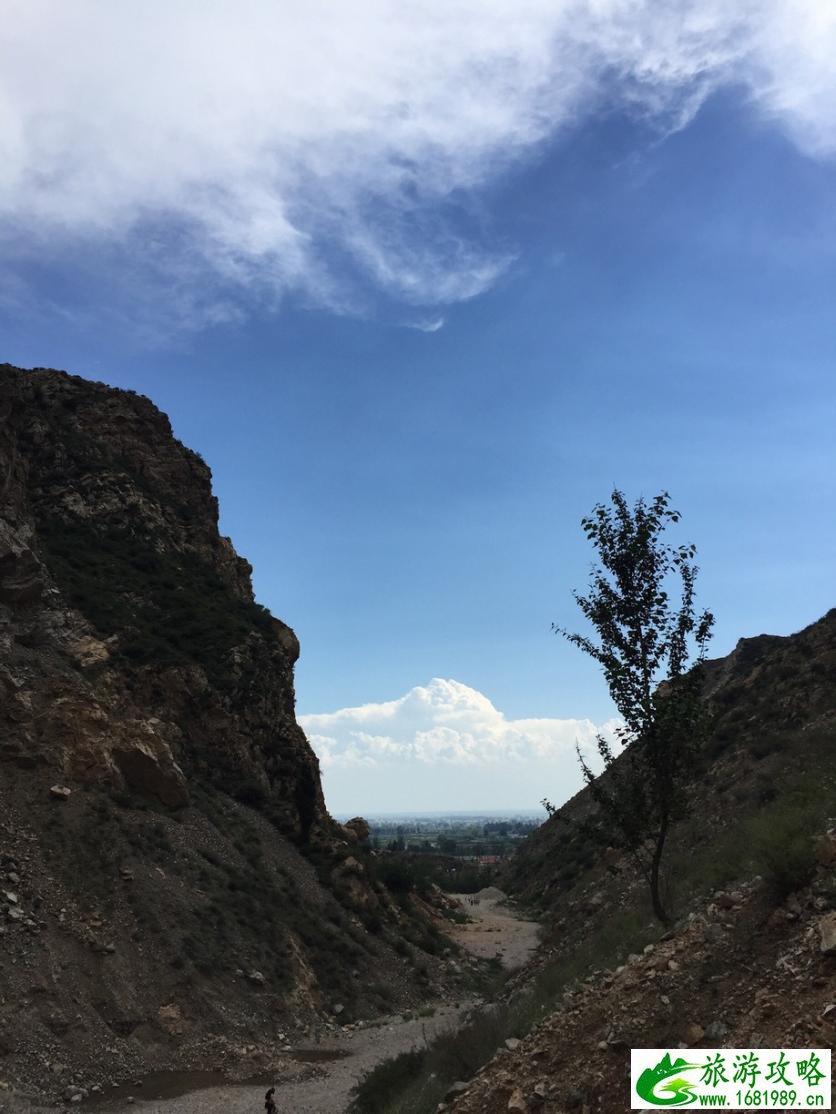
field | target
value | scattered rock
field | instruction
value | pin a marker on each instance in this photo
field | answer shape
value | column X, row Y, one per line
column 456, row 1089
column 827, row 932
column 170, row 1018
column 793, row 905
column 517, row 1103
column 716, row 1030
column 826, row 848
column 538, row 1095
column 60, row 792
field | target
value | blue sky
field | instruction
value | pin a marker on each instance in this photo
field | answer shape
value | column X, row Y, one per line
column 631, row 285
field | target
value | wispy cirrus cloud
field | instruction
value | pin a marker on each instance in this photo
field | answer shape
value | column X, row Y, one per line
column 427, row 324
column 255, row 150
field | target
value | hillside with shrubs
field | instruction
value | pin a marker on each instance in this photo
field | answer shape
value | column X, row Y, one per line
column 750, row 878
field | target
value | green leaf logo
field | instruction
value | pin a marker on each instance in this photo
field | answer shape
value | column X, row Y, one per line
column 656, row 1085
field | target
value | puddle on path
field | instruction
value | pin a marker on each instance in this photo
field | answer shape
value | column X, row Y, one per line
column 318, row 1055
column 172, row 1084
column 159, row 1085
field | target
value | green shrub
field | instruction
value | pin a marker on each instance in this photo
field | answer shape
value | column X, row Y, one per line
column 396, row 875
column 781, row 841
column 416, row 1082
column 166, row 607
column 762, row 746
column 250, row 792
column 387, row 1080
column 456, row 916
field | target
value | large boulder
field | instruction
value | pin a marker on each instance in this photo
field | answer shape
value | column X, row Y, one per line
column 149, row 768
column 356, row 830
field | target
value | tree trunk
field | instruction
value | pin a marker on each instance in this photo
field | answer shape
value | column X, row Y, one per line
column 655, row 898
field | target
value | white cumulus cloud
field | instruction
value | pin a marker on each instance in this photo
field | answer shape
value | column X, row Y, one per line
column 313, row 147
column 445, row 741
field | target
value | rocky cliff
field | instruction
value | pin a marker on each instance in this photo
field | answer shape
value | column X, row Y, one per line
column 171, row 885
column 133, row 654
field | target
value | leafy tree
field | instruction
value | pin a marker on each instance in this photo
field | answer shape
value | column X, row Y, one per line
column 645, row 642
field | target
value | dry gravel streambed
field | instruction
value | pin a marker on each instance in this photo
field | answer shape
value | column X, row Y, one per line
column 324, row 1077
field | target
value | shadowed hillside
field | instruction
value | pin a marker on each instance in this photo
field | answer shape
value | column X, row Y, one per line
column 172, row 888
column 751, row 875
column 765, row 766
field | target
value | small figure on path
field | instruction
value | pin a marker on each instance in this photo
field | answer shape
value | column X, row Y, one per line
column 269, row 1104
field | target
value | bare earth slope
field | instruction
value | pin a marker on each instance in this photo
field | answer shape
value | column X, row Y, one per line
column 750, row 878
column 342, row 1058
column 172, row 889
column 740, row 973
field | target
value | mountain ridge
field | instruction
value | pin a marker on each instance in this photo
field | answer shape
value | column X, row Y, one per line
column 750, row 959
column 172, row 887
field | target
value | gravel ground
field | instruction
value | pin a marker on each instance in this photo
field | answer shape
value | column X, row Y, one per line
column 496, row 929
column 326, row 1088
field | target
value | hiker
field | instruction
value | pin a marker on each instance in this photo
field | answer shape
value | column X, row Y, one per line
column 269, row 1104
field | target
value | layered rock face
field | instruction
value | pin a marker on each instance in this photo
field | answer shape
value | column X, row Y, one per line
column 132, row 653
column 173, row 893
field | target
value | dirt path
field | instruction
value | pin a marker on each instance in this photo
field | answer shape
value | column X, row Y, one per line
column 326, row 1088
column 496, row 930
